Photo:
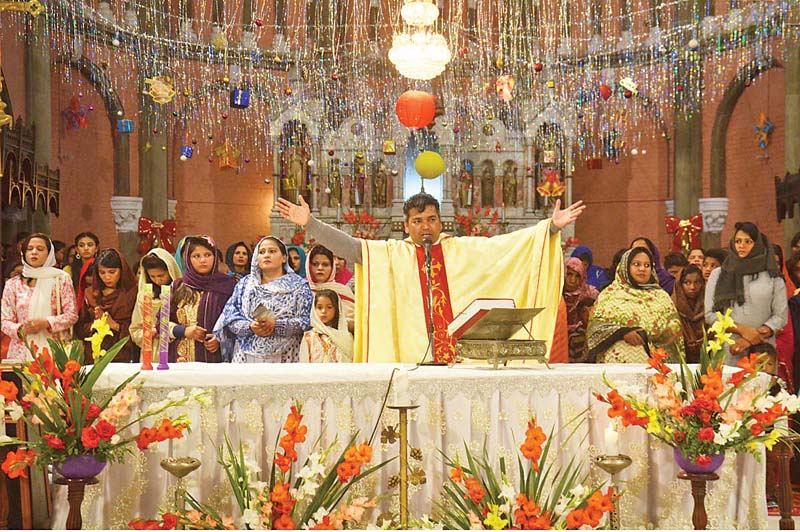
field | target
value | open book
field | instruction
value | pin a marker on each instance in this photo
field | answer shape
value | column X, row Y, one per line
column 474, row 312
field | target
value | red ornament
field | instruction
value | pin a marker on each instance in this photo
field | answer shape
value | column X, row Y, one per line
column 687, row 232
column 335, row 76
column 156, row 234
column 259, row 22
column 415, row 109
column 211, row 159
column 628, row 94
column 537, row 67
column 680, row 88
column 463, row 51
column 330, row 153
column 288, row 91
column 155, row 131
column 224, row 116
column 605, row 91
column 748, row 83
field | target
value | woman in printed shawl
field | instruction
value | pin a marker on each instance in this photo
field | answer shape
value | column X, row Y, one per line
column 633, row 315
column 157, row 268
column 579, row 296
column 113, row 292
column 321, row 275
column 665, row 280
column 39, row 302
column 269, row 310
column 197, row 301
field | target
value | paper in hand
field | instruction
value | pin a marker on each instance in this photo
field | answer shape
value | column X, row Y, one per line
column 261, row 313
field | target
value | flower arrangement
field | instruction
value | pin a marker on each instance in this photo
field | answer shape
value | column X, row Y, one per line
column 363, row 224
column 310, row 498
column 699, row 413
column 299, row 239
column 475, row 497
column 59, row 399
column 477, row 222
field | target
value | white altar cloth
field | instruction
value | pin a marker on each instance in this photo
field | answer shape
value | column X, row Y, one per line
column 461, row 404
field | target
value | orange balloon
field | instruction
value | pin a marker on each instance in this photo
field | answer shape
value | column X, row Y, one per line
column 415, row 109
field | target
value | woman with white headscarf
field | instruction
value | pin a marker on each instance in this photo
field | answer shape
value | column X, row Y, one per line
column 40, row 303
column 269, row 310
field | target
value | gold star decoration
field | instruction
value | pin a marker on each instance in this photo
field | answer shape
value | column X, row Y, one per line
column 417, row 476
column 34, row 8
column 228, row 156
column 160, row 89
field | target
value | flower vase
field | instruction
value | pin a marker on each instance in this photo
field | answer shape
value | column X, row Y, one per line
column 691, row 467
column 80, row 467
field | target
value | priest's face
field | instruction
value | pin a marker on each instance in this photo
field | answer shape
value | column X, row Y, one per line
column 423, row 223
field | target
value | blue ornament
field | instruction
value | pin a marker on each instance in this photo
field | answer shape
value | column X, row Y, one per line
column 187, row 151
column 125, row 125
column 240, row 98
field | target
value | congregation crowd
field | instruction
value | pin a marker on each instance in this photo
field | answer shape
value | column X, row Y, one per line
column 270, row 302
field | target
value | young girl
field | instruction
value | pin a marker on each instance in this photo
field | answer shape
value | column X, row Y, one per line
column 197, row 301
column 321, row 272
column 329, row 340
column 158, row 268
column 688, row 296
column 113, row 293
column 86, row 244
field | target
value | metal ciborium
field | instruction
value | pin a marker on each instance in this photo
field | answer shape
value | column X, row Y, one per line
column 179, row 468
column 613, row 464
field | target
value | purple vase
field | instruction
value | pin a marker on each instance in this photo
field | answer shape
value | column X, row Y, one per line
column 81, row 466
column 691, row 467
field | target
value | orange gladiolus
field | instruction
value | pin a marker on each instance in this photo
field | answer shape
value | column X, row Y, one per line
column 9, row 391
column 457, row 474
column 474, row 490
column 17, row 462
column 656, row 360
column 284, row 522
column 712, row 384
column 576, row 519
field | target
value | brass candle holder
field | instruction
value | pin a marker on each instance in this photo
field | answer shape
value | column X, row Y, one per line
column 403, row 411
column 179, row 468
column 613, row 465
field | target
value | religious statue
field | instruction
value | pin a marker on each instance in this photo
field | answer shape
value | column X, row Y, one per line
column 487, row 184
column 334, row 184
column 465, row 185
column 379, row 184
column 293, row 173
column 358, row 180
column 510, row 183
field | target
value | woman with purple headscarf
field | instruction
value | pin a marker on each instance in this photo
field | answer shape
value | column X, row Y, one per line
column 665, row 280
column 197, row 301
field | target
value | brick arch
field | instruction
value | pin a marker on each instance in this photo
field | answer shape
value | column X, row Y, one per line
column 727, row 104
column 113, row 106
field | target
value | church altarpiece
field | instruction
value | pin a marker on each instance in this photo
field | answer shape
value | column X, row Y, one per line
column 354, row 169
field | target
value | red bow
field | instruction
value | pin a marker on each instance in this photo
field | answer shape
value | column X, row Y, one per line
column 155, row 234
column 687, row 232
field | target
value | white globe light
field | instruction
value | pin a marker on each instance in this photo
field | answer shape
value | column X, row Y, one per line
column 419, row 13
column 183, row 158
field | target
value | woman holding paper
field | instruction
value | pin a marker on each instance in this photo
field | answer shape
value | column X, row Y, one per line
column 158, row 268
column 269, row 310
column 197, row 301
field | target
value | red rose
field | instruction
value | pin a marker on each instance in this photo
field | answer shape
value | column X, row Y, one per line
column 54, row 442
column 756, row 429
column 105, row 429
column 679, row 437
column 89, row 438
column 706, row 434
column 170, row 521
column 703, row 460
column 93, row 412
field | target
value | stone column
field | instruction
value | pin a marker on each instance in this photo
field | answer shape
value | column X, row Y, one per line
column 688, row 130
column 126, row 211
column 791, row 151
column 37, row 59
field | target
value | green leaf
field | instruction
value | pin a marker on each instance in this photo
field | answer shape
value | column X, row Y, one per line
column 100, row 366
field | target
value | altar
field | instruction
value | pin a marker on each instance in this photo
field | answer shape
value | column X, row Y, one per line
column 458, row 405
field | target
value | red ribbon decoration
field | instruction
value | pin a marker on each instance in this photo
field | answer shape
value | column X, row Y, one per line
column 155, row 234
column 687, row 232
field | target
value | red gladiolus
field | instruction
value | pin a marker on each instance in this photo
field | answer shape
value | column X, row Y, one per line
column 170, row 521
column 679, row 437
column 756, row 429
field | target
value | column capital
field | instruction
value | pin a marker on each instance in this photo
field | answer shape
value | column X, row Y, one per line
column 715, row 212
column 126, row 211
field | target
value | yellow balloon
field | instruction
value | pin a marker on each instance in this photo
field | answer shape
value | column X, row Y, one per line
column 429, row 165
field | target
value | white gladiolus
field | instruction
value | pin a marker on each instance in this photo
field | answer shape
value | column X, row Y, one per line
column 727, row 433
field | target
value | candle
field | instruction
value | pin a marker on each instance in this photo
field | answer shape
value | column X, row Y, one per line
column 147, row 328
column 503, row 212
column 612, row 441
column 339, row 212
column 469, row 195
column 2, row 416
column 400, row 385
column 163, row 329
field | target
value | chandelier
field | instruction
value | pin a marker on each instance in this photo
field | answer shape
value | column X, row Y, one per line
column 419, row 54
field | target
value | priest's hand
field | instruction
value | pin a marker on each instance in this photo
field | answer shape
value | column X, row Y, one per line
column 563, row 217
column 297, row 214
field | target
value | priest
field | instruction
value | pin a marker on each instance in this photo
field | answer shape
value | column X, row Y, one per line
column 392, row 315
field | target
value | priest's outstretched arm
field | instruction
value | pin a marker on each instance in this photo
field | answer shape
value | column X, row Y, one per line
column 349, row 248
